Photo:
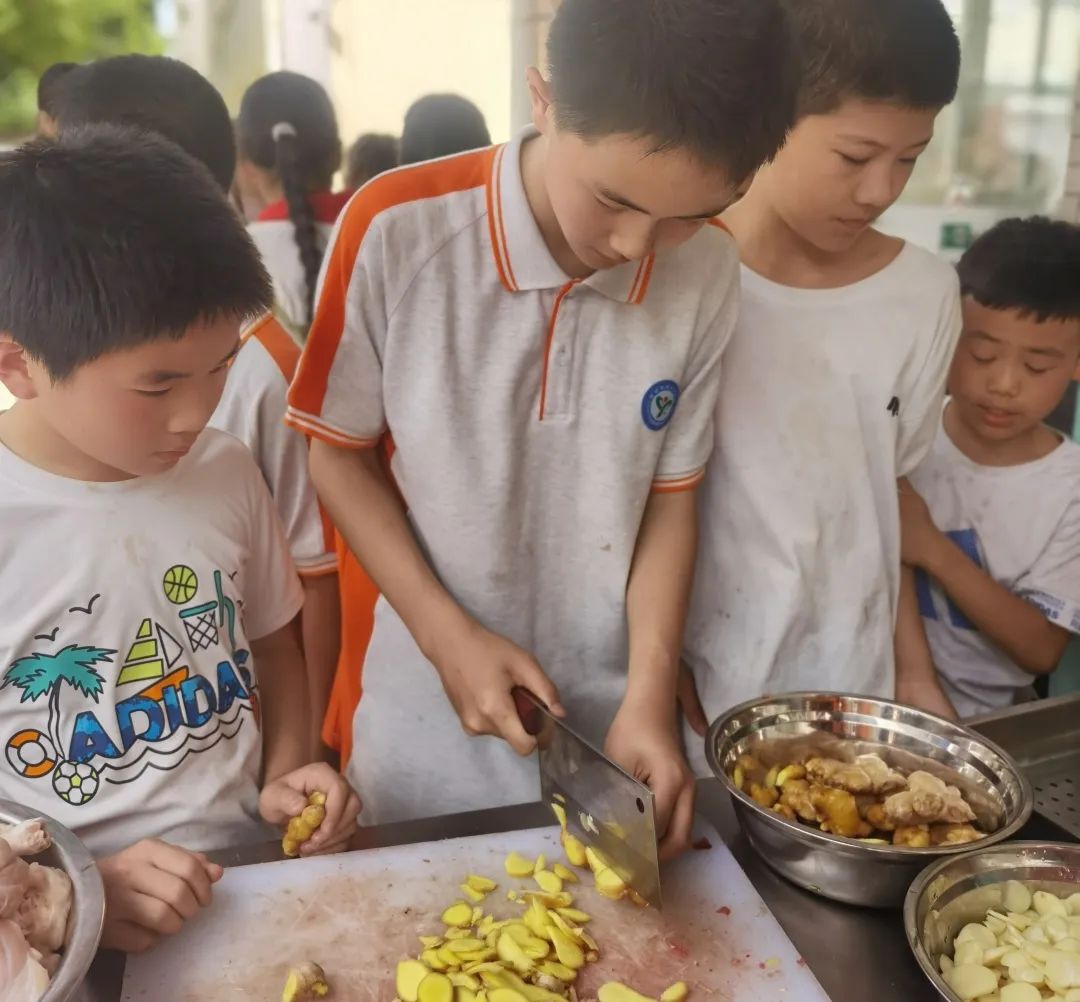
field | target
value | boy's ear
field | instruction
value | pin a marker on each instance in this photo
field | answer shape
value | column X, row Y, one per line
column 540, row 99
column 15, row 369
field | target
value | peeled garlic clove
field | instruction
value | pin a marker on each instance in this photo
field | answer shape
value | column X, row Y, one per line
column 969, row 981
column 1015, row 896
column 1020, row 992
column 1057, row 928
column 945, row 962
column 1036, row 934
column 968, row 952
column 975, row 933
column 1046, row 903
column 1031, row 975
column 991, row 958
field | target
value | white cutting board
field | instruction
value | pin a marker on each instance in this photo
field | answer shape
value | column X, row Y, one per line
column 358, row 914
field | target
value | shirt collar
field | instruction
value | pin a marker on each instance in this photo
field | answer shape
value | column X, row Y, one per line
column 326, row 206
column 522, row 258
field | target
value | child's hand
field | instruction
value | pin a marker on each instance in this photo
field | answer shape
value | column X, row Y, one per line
column 479, row 670
column 285, row 797
column 646, row 744
column 151, row 889
column 919, row 537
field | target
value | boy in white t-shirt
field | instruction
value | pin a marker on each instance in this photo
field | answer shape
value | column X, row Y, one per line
column 833, row 379
column 992, row 518
column 152, row 688
column 180, row 104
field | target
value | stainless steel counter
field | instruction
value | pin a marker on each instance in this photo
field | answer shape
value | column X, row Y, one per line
column 858, row 955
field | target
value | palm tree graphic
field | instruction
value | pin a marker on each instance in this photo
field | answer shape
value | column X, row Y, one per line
column 43, row 675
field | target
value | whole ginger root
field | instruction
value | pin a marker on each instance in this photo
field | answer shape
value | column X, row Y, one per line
column 927, row 800
column 304, row 825
column 839, row 811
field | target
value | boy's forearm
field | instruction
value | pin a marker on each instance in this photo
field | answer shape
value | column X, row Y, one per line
column 369, row 515
column 917, row 682
column 321, row 625
column 1019, row 628
column 283, row 701
column 656, row 598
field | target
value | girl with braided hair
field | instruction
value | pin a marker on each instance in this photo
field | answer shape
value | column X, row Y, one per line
column 288, row 149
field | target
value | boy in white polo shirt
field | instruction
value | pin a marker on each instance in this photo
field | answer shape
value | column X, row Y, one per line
column 833, row 380
column 539, row 329
column 994, row 528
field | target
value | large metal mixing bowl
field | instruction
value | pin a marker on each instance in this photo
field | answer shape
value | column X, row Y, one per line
column 790, row 728
column 956, row 891
column 88, row 906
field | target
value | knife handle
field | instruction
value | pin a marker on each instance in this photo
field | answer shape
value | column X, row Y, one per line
column 526, row 704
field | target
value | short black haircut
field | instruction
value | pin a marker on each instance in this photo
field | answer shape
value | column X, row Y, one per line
column 48, row 89
column 904, row 52
column 1028, row 265
column 111, row 238
column 156, row 93
column 717, row 78
column 439, row 125
column 372, row 154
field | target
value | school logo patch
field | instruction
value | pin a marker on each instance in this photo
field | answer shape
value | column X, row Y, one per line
column 658, row 404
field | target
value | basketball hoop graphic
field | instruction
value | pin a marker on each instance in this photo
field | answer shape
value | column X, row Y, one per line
column 200, row 623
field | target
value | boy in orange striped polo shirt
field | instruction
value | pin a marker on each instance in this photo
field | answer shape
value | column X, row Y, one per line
column 539, row 328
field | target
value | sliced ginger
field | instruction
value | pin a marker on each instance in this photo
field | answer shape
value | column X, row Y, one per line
column 613, row 991
column 305, row 983
column 517, row 865
column 435, row 988
column 459, row 916
column 678, row 992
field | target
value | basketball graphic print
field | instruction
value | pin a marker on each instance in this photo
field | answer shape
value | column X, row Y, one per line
column 180, row 584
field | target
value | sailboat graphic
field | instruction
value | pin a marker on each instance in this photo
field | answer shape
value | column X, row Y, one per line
column 152, row 652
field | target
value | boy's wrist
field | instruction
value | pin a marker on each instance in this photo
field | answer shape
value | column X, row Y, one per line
column 940, row 552
column 437, row 624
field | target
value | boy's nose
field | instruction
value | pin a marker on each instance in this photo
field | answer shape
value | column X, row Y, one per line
column 877, row 188
column 1005, row 380
column 634, row 242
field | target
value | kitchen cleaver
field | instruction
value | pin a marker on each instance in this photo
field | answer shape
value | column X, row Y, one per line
column 605, row 806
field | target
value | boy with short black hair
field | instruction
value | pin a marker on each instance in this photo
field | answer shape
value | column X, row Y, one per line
column 833, row 381
column 172, row 99
column 992, row 517
column 539, row 328
column 152, row 684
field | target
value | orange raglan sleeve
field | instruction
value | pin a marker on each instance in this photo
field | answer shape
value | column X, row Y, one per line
column 337, row 393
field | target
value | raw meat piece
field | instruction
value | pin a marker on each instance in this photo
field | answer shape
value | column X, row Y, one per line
column 27, row 838
column 14, row 877
column 43, row 914
column 22, row 978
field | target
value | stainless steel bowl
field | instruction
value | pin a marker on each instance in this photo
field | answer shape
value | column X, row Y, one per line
column 783, row 729
column 953, row 892
column 88, row 905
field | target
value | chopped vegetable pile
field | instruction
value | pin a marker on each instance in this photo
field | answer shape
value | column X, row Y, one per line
column 864, row 799
column 1028, row 952
column 534, row 958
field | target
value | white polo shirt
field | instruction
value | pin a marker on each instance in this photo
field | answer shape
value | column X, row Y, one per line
column 531, row 416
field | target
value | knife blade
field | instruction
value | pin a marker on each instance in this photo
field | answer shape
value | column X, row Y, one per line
column 606, row 807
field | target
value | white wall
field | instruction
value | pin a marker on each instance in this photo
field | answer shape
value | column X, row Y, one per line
column 385, row 56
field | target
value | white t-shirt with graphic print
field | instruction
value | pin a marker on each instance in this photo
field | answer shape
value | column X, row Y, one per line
column 1022, row 525
column 128, row 697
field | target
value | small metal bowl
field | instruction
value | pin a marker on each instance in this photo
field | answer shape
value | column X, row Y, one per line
column 953, row 892
column 789, row 728
column 88, row 904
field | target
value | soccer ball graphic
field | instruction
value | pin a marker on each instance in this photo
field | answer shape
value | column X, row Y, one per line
column 31, row 754
column 75, row 782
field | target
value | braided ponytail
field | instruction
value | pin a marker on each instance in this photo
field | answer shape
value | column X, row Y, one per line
column 287, row 127
column 289, row 168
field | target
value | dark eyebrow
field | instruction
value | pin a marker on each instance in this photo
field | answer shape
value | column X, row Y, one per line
column 159, row 376
column 627, row 204
column 864, row 141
